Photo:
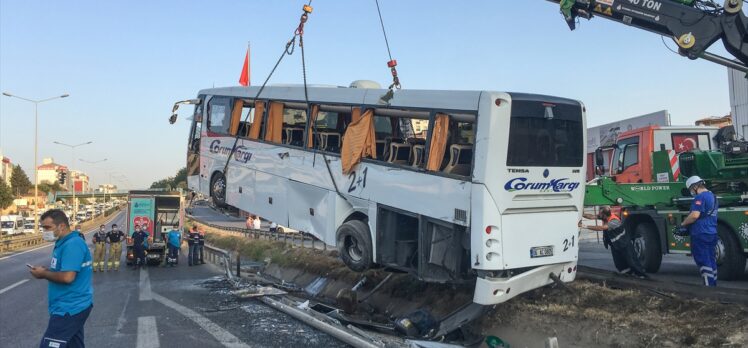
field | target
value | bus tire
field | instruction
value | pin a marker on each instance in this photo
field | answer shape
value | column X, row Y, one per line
column 647, row 246
column 354, row 245
column 218, row 190
column 730, row 259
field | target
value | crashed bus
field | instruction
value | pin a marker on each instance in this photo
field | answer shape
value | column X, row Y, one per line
column 450, row 186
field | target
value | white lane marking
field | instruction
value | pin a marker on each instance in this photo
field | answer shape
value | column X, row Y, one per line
column 223, row 336
column 145, row 286
column 27, row 251
column 12, row 286
column 147, row 333
column 48, row 245
column 121, row 321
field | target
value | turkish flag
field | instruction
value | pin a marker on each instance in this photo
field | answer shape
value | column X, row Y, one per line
column 685, row 142
column 244, row 78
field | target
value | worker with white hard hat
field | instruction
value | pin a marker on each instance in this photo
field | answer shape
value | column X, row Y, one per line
column 701, row 224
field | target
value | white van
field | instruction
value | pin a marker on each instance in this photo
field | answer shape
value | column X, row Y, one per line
column 11, row 224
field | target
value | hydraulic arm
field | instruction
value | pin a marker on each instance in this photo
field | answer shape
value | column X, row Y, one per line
column 694, row 24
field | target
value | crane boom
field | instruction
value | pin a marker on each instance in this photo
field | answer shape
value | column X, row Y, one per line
column 694, row 24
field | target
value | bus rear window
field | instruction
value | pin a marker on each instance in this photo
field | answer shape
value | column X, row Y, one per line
column 544, row 134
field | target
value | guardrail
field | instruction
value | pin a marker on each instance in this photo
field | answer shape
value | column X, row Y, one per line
column 286, row 237
column 15, row 242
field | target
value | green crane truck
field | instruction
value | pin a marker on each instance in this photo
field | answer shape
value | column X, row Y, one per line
column 156, row 212
column 653, row 211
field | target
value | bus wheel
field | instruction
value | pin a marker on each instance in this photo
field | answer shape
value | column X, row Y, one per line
column 218, row 190
column 730, row 259
column 647, row 247
column 354, row 245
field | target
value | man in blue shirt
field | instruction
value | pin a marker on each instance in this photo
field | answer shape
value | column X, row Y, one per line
column 174, row 238
column 702, row 225
column 70, row 291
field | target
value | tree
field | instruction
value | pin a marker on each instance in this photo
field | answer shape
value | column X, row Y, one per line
column 6, row 196
column 173, row 182
column 47, row 187
column 19, row 181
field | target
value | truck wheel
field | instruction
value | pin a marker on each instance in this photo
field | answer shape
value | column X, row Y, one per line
column 730, row 258
column 218, row 190
column 354, row 245
column 647, row 247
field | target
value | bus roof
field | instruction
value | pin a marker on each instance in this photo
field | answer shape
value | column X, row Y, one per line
column 411, row 98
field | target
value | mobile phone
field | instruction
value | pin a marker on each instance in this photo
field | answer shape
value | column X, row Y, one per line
column 29, row 266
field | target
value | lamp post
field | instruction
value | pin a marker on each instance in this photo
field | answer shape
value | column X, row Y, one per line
column 92, row 163
column 72, row 148
column 36, row 142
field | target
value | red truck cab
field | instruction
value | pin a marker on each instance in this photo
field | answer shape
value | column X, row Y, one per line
column 630, row 160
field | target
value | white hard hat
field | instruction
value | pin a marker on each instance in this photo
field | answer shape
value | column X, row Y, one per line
column 693, row 180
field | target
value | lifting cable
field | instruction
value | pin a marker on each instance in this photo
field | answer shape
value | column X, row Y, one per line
column 392, row 63
column 288, row 50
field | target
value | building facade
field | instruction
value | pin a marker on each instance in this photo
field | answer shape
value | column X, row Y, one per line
column 49, row 171
column 6, row 168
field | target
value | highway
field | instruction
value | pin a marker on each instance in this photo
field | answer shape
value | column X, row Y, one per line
column 156, row 307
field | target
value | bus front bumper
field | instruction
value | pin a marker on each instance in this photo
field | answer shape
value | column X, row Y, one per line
column 490, row 291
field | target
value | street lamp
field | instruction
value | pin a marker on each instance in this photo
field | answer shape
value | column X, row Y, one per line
column 72, row 148
column 36, row 142
column 92, row 163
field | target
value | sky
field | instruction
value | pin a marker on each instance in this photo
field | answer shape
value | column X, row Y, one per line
column 124, row 64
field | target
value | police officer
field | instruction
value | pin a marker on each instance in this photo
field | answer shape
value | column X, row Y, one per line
column 99, row 242
column 138, row 245
column 192, row 242
column 115, row 237
column 620, row 243
column 701, row 223
column 174, row 241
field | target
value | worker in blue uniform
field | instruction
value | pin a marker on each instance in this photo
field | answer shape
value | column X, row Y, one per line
column 701, row 224
column 139, row 238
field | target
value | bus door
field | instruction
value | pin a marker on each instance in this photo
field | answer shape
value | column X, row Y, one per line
column 193, row 150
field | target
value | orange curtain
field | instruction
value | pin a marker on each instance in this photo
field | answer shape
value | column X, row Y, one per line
column 275, row 123
column 355, row 115
column 312, row 120
column 254, row 131
column 236, row 116
column 438, row 142
column 359, row 140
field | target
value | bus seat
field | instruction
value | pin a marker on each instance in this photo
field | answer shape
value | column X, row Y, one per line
column 380, row 149
column 418, row 155
column 387, row 141
column 399, row 153
column 460, row 158
column 329, row 141
column 297, row 137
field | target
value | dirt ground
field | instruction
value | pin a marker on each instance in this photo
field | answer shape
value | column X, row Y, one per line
column 590, row 315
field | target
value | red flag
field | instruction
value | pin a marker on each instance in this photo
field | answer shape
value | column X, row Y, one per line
column 244, row 78
column 685, row 142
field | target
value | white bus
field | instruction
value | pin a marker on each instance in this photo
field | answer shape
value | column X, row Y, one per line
column 487, row 189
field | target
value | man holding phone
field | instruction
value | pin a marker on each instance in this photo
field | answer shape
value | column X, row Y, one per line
column 70, row 291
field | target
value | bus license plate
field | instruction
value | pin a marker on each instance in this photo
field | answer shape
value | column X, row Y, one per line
column 543, row 251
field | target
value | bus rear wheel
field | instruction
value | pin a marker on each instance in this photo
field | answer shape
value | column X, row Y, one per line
column 647, row 247
column 730, row 259
column 218, row 190
column 354, row 245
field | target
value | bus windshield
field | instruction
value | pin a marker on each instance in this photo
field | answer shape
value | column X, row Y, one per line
column 543, row 134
